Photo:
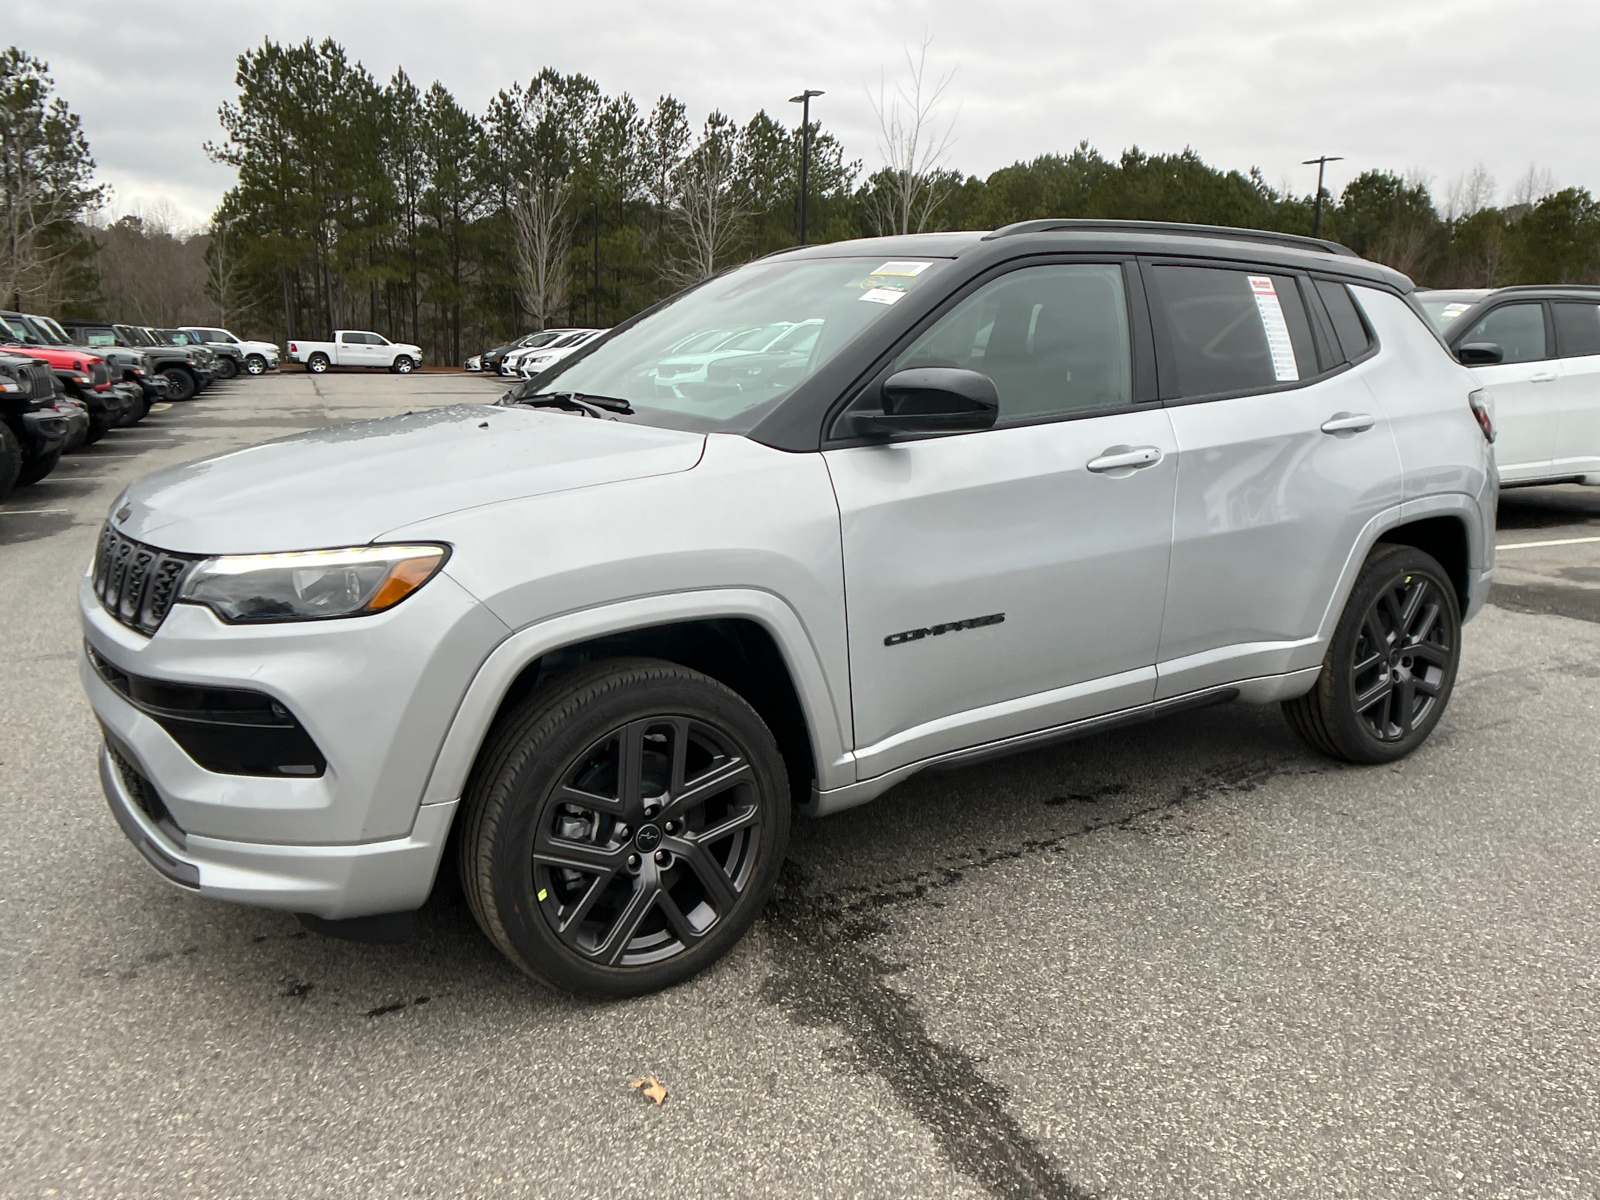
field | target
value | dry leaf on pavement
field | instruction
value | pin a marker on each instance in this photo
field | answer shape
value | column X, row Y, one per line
column 652, row 1087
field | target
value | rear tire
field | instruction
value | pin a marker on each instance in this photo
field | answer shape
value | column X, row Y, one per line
column 37, row 467
column 1391, row 665
column 317, row 364
column 181, row 383
column 575, row 856
column 10, row 460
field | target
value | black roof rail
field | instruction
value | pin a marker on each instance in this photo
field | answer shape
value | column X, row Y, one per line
column 1089, row 225
column 1542, row 287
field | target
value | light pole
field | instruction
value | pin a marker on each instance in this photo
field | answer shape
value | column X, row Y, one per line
column 804, row 101
column 1316, row 207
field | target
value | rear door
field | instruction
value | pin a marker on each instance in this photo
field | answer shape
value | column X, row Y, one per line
column 1577, row 446
column 354, row 351
column 1009, row 580
column 1527, row 398
column 1284, row 456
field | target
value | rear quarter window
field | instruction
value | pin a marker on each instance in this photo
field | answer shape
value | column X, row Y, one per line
column 1348, row 326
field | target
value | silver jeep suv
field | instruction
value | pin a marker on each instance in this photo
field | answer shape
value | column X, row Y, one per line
column 1008, row 488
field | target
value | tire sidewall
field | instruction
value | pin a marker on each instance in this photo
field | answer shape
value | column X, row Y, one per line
column 403, row 365
column 230, row 369
column 10, row 460
column 317, row 364
column 255, row 365
column 555, row 743
column 1381, row 571
column 184, row 386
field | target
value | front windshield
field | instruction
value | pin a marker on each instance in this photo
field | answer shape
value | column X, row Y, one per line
column 135, row 336
column 51, row 332
column 15, row 328
column 740, row 342
column 97, row 337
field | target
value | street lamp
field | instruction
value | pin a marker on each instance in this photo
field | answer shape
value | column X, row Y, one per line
column 1316, row 208
column 804, row 100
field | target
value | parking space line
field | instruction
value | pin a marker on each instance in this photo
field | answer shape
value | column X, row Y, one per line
column 1557, row 542
column 26, row 512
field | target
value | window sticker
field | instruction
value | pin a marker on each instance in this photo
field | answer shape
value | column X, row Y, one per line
column 903, row 268
column 884, row 295
column 1451, row 312
column 1283, row 364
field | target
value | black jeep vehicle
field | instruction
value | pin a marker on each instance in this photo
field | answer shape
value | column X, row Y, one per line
column 77, row 372
column 229, row 358
column 137, row 364
column 32, row 432
column 124, row 367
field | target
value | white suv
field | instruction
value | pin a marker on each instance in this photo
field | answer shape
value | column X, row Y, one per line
column 1019, row 487
column 1537, row 349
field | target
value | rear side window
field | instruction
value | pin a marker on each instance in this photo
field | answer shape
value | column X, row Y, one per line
column 1348, row 326
column 1577, row 329
column 1518, row 329
column 1233, row 331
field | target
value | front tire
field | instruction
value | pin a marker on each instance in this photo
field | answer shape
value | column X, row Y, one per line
column 37, row 467
column 256, row 365
column 403, row 365
column 623, row 827
column 181, row 383
column 317, row 364
column 10, row 460
column 1391, row 665
column 228, row 369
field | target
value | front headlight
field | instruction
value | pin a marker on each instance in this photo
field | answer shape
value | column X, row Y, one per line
column 311, row 585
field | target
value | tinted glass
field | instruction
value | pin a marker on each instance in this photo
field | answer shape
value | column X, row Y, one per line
column 1577, row 329
column 730, row 389
column 1347, row 323
column 1234, row 331
column 97, row 337
column 352, row 339
column 1518, row 329
column 1054, row 339
column 14, row 327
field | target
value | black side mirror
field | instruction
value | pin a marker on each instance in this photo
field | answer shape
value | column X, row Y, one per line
column 30, row 340
column 932, row 400
column 1480, row 354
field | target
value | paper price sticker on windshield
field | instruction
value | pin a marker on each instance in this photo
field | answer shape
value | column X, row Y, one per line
column 1277, row 329
column 903, row 268
column 884, row 295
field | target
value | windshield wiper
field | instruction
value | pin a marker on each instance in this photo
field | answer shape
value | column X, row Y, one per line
column 595, row 406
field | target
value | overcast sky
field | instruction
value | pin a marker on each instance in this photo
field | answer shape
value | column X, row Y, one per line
column 1428, row 85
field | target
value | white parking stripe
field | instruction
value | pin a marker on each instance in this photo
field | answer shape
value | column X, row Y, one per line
column 25, row 512
column 1557, row 542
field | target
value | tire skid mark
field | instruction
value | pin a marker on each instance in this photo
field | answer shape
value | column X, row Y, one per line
column 827, row 976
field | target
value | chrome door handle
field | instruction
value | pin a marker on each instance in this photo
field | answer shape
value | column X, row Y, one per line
column 1348, row 423
column 1542, row 378
column 1121, row 457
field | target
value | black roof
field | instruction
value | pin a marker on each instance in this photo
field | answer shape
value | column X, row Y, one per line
column 1065, row 235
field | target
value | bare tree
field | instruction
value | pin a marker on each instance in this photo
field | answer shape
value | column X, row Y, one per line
column 707, row 215
column 544, row 247
column 223, row 276
column 1532, row 186
column 914, row 142
column 152, row 270
column 1471, row 193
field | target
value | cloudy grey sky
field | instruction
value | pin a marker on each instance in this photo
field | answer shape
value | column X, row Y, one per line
column 1431, row 85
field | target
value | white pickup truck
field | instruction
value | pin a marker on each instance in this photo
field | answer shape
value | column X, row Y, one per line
column 355, row 348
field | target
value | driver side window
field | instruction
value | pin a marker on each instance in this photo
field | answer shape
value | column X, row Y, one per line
column 1054, row 339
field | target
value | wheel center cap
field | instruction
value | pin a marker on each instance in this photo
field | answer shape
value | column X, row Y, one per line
column 648, row 838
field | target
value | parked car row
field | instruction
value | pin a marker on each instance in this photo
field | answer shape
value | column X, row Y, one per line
column 532, row 353
column 66, row 383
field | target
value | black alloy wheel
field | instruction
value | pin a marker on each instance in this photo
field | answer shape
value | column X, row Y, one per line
column 227, row 368
column 256, row 365
column 624, row 827
column 317, row 363
column 181, row 383
column 1391, row 666
column 404, row 365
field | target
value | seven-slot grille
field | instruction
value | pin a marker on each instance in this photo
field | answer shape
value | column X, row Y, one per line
column 137, row 583
column 37, row 379
column 98, row 373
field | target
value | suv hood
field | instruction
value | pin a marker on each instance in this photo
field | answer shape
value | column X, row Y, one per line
column 347, row 485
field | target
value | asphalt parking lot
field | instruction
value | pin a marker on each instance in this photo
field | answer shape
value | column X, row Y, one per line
column 1188, row 959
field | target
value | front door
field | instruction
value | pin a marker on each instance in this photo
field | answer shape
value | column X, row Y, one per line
column 1003, row 582
column 1525, row 387
column 1283, row 459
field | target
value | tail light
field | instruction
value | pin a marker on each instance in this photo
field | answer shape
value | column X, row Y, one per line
column 293, row 349
column 1483, row 409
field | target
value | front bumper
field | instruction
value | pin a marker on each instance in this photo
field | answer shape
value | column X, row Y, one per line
column 333, row 882
column 44, row 431
column 376, row 696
